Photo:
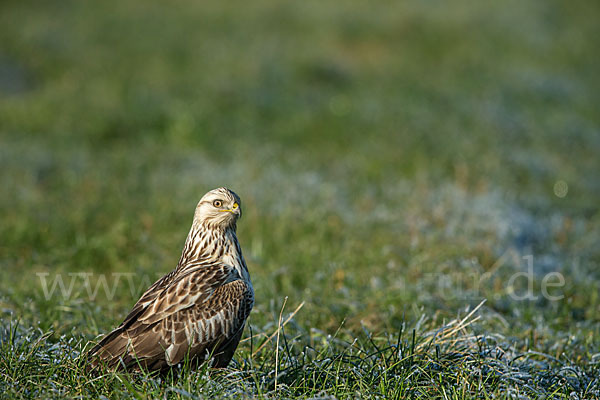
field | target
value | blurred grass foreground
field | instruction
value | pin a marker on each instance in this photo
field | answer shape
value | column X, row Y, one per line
column 399, row 163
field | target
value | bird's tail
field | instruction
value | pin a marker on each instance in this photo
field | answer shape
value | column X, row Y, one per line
column 108, row 351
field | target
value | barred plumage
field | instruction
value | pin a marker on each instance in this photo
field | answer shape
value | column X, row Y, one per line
column 197, row 310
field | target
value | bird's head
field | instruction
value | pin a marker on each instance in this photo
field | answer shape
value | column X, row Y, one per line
column 219, row 208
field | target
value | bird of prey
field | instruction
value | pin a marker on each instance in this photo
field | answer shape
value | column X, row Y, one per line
column 198, row 310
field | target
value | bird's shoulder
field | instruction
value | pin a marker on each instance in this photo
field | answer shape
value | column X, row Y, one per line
column 182, row 289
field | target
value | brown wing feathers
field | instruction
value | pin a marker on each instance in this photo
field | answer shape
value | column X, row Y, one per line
column 197, row 313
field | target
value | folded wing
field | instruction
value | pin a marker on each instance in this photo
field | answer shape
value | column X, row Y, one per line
column 198, row 313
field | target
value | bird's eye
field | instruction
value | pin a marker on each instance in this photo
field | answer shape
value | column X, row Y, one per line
column 217, row 203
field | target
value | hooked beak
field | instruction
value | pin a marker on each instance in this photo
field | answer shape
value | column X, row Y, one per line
column 235, row 209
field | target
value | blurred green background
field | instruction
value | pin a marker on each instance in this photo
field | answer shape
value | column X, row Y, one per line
column 376, row 148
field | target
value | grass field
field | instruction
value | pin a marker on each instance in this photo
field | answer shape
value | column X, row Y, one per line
column 398, row 163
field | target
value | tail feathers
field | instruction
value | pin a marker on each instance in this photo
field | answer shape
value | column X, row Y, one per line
column 112, row 347
column 118, row 350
